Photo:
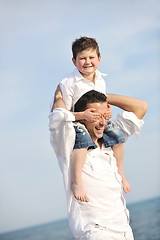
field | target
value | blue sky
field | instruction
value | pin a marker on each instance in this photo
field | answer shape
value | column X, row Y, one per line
column 35, row 47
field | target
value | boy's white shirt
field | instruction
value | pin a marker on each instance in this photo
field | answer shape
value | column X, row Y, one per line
column 74, row 85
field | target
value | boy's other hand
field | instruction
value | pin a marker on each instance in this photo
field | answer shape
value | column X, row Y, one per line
column 109, row 113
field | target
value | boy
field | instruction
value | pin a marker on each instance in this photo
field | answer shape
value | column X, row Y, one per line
column 86, row 77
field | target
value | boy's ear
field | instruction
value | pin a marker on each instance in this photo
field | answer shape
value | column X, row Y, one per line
column 74, row 62
column 99, row 59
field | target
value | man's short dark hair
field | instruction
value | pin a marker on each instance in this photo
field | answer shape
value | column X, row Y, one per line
column 84, row 43
column 89, row 97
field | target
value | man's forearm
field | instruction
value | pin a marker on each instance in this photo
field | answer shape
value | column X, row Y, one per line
column 137, row 106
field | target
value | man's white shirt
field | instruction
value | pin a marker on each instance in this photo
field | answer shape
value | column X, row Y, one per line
column 101, row 181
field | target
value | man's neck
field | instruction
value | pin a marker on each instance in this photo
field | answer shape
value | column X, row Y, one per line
column 99, row 142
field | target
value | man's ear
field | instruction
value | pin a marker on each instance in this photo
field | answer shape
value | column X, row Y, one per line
column 74, row 62
column 82, row 121
column 108, row 105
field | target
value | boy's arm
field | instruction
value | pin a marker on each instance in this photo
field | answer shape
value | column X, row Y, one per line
column 58, row 99
column 88, row 114
column 137, row 106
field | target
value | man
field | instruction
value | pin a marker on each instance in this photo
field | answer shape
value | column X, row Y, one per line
column 105, row 216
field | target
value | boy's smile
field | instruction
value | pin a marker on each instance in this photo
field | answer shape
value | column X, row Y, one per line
column 87, row 62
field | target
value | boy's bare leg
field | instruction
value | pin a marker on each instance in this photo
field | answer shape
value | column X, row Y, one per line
column 119, row 155
column 78, row 160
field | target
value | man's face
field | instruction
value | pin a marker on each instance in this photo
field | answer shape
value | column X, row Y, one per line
column 96, row 128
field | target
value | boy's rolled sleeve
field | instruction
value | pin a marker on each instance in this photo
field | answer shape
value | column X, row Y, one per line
column 67, row 92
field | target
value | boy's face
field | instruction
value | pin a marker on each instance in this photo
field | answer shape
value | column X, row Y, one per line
column 97, row 127
column 87, row 62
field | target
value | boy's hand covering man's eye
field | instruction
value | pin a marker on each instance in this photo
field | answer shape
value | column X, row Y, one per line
column 108, row 114
column 90, row 115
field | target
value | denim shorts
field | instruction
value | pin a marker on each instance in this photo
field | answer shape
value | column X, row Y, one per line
column 112, row 135
column 83, row 139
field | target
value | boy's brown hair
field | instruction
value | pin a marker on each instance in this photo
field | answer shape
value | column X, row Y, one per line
column 84, row 43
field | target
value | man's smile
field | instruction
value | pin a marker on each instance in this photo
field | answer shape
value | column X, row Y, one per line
column 99, row 129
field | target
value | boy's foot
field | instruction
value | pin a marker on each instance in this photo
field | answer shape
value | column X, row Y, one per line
column 79, row 192
column 126, row 185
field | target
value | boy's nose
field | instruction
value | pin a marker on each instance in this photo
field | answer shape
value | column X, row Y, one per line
column 87, row 60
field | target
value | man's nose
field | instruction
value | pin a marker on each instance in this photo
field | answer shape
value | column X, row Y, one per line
column 103, row 121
